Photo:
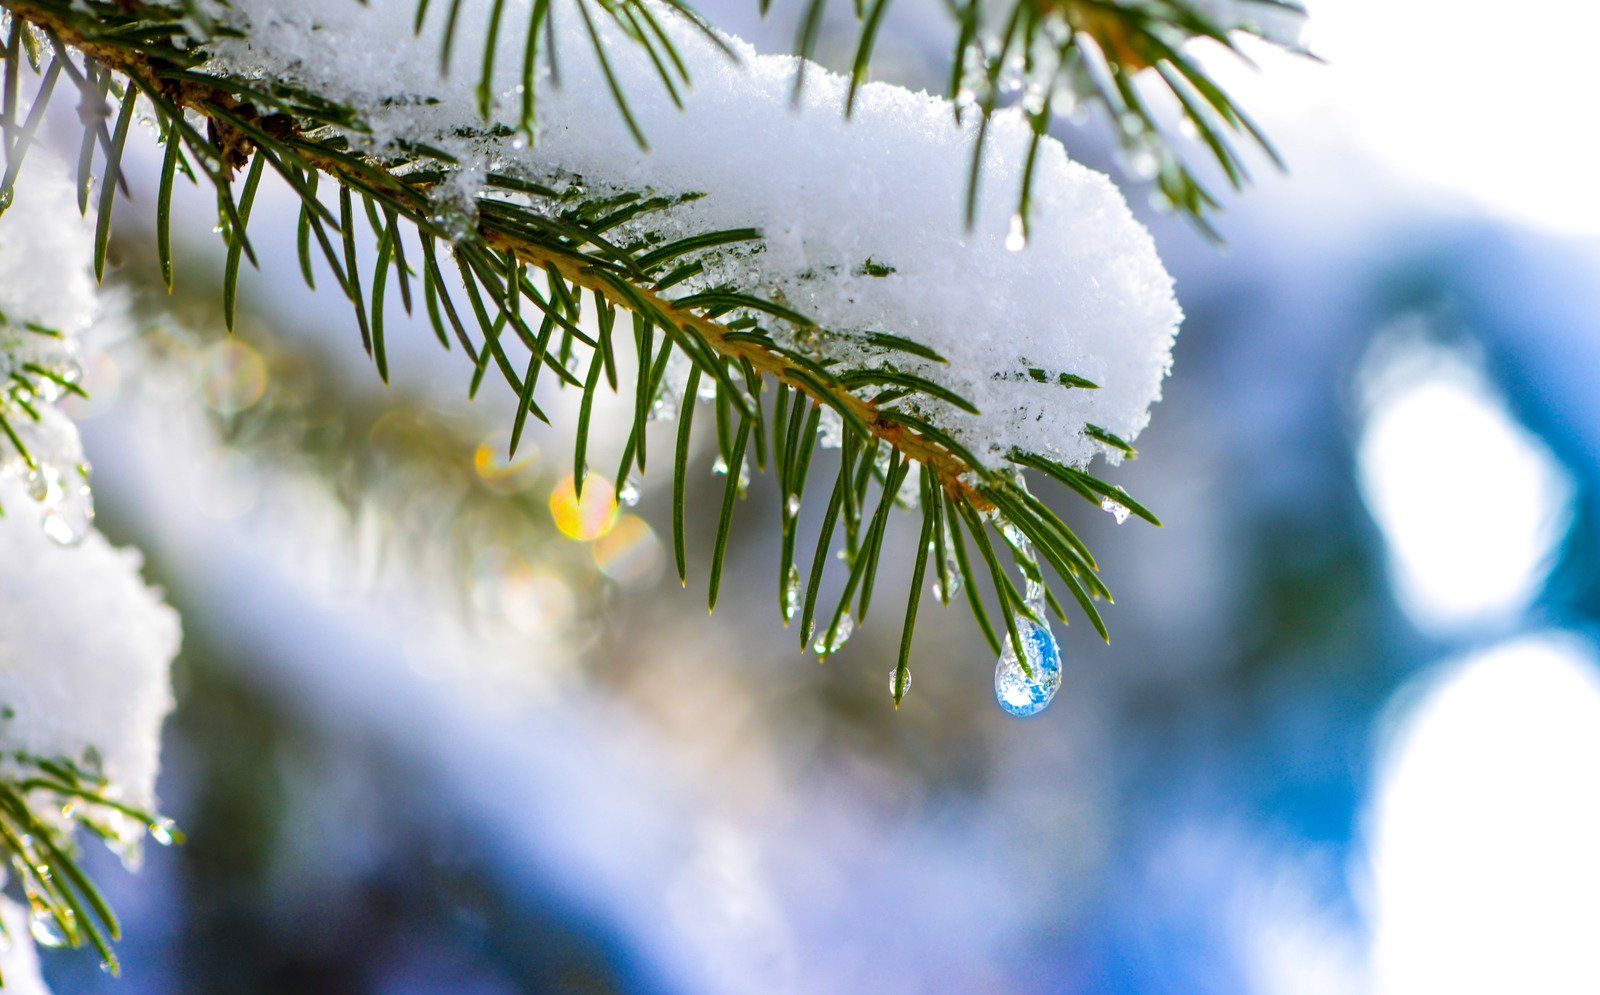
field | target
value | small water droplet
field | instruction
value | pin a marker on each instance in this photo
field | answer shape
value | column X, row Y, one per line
column 792, row 506
column 707, row 391
column 840, row 633
column 895, row 689
column 1017, row 237
column 631, row 490
column 45, row 927
column 946, row 588
column 1017, row 693
column 69, row 511
column 38, row 483
column 1118, row 510
column 163, row 832
column 830, row 429
column 791, row 594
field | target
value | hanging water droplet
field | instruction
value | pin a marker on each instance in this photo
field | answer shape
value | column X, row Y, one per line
column 1118, row 510
column 45, row 927
column 792, row 506
column 1017, row 237
column 69, row 509
column 895, row 688
column 720, row 467
column 840, row 633
column 791, row 594
column 830, row 429
column 946, row 588
column 631, row 490
column 707, row 391
column 1017, row 693
column 38, row 483
column 163, row 832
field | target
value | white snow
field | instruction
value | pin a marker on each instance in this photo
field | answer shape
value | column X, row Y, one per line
column 84, row 650
column 45, row 247
column 1087, row 296
column 84, row 643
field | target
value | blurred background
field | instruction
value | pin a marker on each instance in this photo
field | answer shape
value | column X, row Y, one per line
column 441, row 728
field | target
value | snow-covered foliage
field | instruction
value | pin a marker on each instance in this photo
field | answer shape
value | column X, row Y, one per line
column 861, row 220
column 47, row 299
column 84, row 643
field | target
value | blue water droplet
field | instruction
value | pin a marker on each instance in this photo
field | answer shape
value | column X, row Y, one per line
column 1016, row 692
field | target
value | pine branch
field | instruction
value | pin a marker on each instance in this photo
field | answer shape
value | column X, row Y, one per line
column 41, row 800
column 613, row 248
column 1054, row 56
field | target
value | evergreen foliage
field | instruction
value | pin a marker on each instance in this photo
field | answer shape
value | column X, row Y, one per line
column 586, row 281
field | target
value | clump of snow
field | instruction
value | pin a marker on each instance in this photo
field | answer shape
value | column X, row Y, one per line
column 84, row 649
column 45, row 246
column 84, row 644
column 47, row 298
column 861, row 220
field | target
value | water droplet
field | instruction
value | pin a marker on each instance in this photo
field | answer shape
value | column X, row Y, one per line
column 38, row 483
column 830, row 429
column 1118, row 511
column 163, row 832
column 1017, row 693
column 1017, row 237
column 947, row 588
column 707, row 391
column 841, row 633
column 791, row 594
column 45, row 927
column 720, row 467
column 631, row 490
column 792, row 506
column 69, row 519
column 895, row 689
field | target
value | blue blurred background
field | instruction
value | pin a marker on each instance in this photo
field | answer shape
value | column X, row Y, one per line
column 1346, row 739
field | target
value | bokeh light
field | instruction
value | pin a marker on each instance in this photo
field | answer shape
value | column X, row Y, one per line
column 1485, row 872
column 1471, row 504
column 233, row 376
column 630, row 552
column 588, row 517
column 501, row 472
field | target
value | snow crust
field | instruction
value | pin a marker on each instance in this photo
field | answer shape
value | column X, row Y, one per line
column 836, row 201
